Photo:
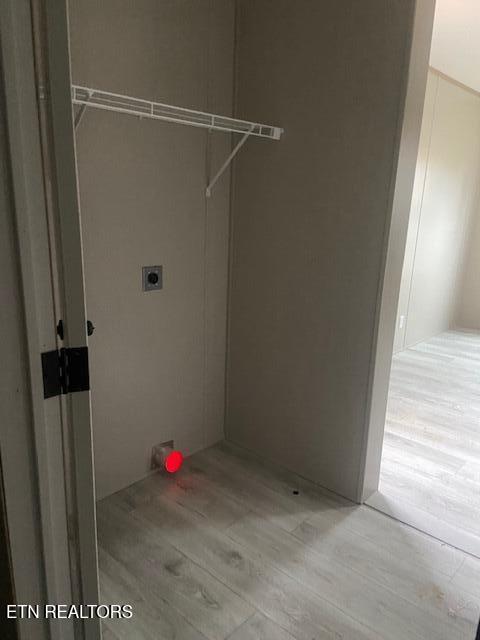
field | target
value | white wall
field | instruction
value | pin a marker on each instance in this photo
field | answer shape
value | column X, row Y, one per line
column 456, row 41
column 415, row 209
column 157, row 359
column 444, row 201
column 468, row 312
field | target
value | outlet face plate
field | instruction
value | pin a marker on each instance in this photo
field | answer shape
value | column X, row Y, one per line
column 152, row 278
column 159, row 451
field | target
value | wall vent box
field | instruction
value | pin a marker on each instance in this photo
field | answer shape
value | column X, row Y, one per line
column 152, row 278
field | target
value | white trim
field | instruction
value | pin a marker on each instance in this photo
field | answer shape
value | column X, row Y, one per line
column 28, row 196
column 47, row 286
column 70, row 274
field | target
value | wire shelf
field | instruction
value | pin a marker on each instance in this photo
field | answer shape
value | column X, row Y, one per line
column 107, row 101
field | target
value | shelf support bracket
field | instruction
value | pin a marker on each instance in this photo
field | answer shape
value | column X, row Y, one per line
column 225, row 165
column 80, row 113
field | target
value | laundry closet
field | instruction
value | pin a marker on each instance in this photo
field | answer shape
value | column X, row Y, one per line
column 259, row 320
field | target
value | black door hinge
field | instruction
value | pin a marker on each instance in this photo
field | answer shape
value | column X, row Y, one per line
column 65, row 371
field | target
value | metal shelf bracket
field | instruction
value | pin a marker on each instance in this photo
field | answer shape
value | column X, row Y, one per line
column 225, row 165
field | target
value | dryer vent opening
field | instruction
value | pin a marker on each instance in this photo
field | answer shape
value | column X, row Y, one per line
column 166, row 458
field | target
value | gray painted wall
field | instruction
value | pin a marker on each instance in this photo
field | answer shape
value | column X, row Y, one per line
column 309, row 222
column 433, row 296
column 310, row 217
column 157, row 359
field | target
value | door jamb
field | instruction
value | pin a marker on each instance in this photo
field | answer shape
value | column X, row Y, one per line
column 44, row 420
column 394, row 248
column 7, row 589
column 38, row 423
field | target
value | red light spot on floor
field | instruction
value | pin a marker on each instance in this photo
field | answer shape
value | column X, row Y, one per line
column 173, row 461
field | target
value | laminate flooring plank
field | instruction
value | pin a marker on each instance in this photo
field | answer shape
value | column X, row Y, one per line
column 454, row 507
column 420, row 458
column 153, row 618
column 470, row 471
column 240, row 487
column 406, row 410
column 468, row 576
column 109, row 634
column 453, row 350
column 455, row 389
column 433, row 426
column 297, row 610
column 425, row 588
column 205, row 602
column 460, row 445
column 199, row 558
column 191, row 490
column 333, row 512
column 369, row 602
column 258, row 627
column 461, row 490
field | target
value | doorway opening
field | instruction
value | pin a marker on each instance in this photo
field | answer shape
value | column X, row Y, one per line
column 430, row 468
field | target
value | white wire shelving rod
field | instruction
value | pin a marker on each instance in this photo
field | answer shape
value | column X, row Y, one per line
column 94, row 98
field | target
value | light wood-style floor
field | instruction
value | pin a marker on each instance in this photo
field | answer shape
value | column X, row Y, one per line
column 431, row 456
column 235, row 548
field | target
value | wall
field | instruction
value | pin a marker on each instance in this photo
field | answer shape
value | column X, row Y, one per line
column 445, row 197
column 456, row 41
column 310, row 219
column 157, row 359
column 415, row 208
column 468, row 309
